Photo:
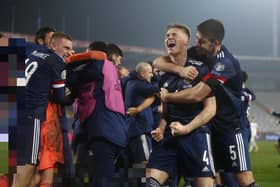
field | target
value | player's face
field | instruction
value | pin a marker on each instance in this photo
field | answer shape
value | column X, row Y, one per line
column 156, row 71
column 117, row 60
column 204, row 46
column 176, row 41
column 124, row 72
column 63, row 48
column 148, row 74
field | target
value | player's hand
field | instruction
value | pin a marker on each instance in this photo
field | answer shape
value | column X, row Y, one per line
column 132, row 111
column 163, row 94
column 189, row 72
column 157, row 134
column 178, row 129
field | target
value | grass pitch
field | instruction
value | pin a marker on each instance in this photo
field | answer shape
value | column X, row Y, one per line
column 3, row 157
column 264, row 163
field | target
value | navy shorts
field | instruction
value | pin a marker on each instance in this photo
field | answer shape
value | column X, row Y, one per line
column 190, row 154
column 28, row 141
column 140, row 148
column 230, row 150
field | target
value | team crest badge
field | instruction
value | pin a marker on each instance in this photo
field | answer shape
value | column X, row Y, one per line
column 219, row 66
column 187, row 81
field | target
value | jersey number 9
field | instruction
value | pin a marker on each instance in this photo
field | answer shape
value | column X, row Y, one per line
column 30, row 69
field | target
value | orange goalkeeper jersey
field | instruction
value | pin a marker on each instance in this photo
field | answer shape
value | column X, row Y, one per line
column 51, row 150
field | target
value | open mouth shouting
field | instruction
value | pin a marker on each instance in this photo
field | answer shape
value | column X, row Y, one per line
column 170, row 45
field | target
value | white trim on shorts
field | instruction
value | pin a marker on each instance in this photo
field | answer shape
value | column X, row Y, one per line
column 241, row 152
column 145, row 146
column 208, row 140
column 36, row 142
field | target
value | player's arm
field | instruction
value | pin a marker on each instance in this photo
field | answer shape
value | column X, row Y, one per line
column 248, row 95
column 58, row 92
column 252, row 95
column 190, row 95
column 158, row 133
column 147, row 89
column 198, row 93
column 132, row 111
column 164, row 63
column 208, row 112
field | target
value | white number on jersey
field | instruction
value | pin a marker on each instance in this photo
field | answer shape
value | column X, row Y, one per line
column 205, row 158
column 30, row 69
column 232, row 152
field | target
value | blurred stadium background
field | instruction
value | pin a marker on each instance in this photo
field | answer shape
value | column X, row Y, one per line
column 252, row 33
column 263, row 79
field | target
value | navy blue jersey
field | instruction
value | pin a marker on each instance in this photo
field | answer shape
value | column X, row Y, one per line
column 183, row 113
column 44, row 70
column 156, row 113
column 225, row 68
column 30, row 47
column 247, row 96
column 136, row 91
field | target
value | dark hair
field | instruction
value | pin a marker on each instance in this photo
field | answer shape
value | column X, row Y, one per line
column 150, row 62
column 114, row 49
column 184, row 28
column 244, row 76
column 1, row 35
column 42, row 32
column 99, row 46
column 212, row 29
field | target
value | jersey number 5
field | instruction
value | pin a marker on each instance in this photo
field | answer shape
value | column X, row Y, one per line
column 232, row 152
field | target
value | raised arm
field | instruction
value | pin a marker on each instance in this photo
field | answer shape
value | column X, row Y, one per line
column 190, row 95
column 164, row 63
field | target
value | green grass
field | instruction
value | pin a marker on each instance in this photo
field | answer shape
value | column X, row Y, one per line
column 264, row 163
column 3, row 157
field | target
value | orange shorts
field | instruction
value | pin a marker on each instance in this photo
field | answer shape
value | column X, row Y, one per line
column 51, row 150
